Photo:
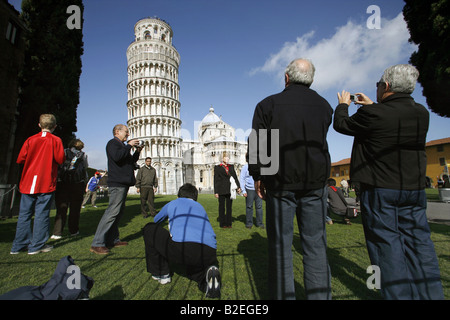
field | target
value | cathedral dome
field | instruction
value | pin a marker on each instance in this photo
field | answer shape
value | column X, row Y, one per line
column 210, row 118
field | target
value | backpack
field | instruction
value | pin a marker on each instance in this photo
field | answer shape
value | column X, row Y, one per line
column 73, row 169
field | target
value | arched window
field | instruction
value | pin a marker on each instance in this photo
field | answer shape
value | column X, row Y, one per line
column 147, row 35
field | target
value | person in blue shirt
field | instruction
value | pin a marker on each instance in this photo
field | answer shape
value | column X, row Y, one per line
column 92, row 188
column 190, row 241
column 248, row 191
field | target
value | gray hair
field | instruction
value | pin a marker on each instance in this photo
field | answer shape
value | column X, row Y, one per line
column 402, row 78
column 301, row 72
column 118, row 127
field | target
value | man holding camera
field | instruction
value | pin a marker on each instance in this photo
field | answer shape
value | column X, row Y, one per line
column 120, row 177
column 389, row 163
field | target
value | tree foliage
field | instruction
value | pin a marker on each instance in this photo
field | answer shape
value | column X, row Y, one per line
column 429, row 26
column 50, row 77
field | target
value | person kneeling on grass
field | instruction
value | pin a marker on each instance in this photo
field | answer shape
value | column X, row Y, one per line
column 191, row 242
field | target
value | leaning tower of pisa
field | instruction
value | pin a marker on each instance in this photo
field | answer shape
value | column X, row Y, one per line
column 153, row 100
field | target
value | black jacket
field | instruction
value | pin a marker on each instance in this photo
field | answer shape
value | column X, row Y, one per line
column 303, row 118
column 222, row 182
column 120, row 164
column 389, row 145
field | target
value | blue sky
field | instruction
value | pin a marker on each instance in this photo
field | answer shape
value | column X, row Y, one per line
column 233, row 54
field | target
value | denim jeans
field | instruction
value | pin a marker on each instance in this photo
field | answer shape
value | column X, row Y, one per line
column 107, row 230
column 310, row 207
column 39, row 204
column 398, row 242
column 251, row 198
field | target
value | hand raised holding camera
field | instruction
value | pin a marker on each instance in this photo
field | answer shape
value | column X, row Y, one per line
column 363, row 99
column 344, row 97
column 134, row 142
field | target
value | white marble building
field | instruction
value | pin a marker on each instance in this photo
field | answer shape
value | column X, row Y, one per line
column 215, row 137
column 154, row 115
column 153, row 100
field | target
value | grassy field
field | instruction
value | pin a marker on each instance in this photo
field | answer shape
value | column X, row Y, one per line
column 242, row 255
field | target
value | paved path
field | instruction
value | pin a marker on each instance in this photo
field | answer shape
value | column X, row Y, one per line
column 437, row 211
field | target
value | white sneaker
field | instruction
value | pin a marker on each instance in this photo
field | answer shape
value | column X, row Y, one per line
column 55, row 237
column 45, row 248
column 213, row 282
column 162, row 279
column 75, row 234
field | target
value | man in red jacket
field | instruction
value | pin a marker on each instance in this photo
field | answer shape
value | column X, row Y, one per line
column 40, row 155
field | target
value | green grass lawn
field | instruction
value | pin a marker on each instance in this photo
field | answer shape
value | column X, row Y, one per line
column 242, row 256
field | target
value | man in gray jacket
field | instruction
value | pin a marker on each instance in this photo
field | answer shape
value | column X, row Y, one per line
column 146, row 185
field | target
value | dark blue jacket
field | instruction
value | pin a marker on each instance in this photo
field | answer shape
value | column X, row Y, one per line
column 121, row 164
column 57, row 288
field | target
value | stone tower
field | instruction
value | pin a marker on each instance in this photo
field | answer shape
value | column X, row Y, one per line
column 153, row 100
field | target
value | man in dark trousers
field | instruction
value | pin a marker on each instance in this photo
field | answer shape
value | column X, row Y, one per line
column 146, row 185
column 389, row 163
column 120, row 178
column 298, row 188
column 223, row 190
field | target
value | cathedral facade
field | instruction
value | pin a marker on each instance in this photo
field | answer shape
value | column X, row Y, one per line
column 154, row 115
column 215, row 138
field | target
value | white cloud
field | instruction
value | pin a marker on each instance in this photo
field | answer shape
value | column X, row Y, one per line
column 353, row 58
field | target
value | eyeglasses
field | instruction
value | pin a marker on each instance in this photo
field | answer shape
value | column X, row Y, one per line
column 379, row 83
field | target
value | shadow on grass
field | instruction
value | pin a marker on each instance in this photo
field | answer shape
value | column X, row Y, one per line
column 256, row 264
column 115, row 293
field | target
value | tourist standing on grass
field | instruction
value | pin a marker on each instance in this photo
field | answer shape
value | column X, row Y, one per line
column 147, row 185
column 389, row 162
column 92, row 188
column 40, row 155
column 224, row 179
column 72, row 176
column 248, row 191
column 120, row 177
column 191, row 242
column 298, row 188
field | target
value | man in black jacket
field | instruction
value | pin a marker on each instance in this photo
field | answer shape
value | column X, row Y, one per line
column 301, row 118
column 389, row 163
column 120, row 178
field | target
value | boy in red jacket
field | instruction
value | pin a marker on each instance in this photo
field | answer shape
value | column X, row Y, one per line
column 40, row 155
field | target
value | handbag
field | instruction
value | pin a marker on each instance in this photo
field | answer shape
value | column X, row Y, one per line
column 351, row 213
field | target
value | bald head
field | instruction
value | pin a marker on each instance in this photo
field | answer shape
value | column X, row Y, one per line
column 300, row 71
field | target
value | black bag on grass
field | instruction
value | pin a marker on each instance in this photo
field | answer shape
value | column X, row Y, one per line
column 67, row 283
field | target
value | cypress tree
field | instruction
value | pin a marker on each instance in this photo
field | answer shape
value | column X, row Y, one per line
column 429, row 26
column 52, row 69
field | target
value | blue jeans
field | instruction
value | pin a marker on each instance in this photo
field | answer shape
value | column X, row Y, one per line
column 39, row 204
column 253, row 197
column 310, row 207
column 398, row 242
column 107, row 230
